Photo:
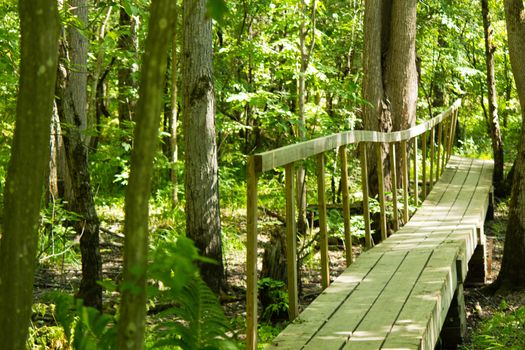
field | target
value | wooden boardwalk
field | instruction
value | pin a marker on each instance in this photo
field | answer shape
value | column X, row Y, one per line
column 397, row 294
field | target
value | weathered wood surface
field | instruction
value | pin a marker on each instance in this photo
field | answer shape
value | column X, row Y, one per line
column 396, row 295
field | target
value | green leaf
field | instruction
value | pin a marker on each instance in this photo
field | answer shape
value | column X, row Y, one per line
column 217, row 9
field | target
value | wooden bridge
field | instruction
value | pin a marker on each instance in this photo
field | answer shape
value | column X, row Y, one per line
column 407, row 291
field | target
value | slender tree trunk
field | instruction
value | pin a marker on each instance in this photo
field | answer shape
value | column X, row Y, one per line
column 39, row 28
column 174, row 110
column 127, row 44
column 72, row 111
column 203, row 223
column 306, row 53
column 133, row 288
column 495, row 133
column 512, row 274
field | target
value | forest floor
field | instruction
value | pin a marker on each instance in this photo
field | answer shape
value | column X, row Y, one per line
column 480, row 303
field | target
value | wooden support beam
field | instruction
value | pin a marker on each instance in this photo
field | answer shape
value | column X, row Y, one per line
column 424, row 163
column 251, row 257
column 325, row 263
column 381, row 190
column 343, row 160
column 416, row 177
column 364, row 186
column 393, row 172
column 291, row 243
column 404, row 171
column 432, row 157
column 438, row 158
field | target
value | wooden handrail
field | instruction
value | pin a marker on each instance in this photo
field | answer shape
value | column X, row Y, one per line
column 287, row 157
column 269, row 160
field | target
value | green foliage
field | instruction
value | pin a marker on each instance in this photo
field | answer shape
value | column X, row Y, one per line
column 56, row 233
column 196, row 321
column 275, row 297
column 504, row 330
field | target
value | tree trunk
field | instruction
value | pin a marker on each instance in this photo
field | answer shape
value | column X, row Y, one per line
column 512, row 274
column 126, row 84
column 390, row 79
column 174, row 111
column 71, row 105
column 133, row 288
column 306, row 53
column 495, row 133
column 203, row 223
column 39, row 28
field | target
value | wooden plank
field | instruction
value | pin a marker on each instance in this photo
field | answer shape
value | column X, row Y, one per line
column 291, row 243
column 343, row 323
column 381, row 190
column 251, row 257
column 325, row 262
column 418, row 325
column 364, row 187
column 376, row 325
column 299, row 332
column 346, row 204
column 393, row 172
column 290, row 154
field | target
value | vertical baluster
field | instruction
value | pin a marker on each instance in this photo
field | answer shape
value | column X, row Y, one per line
column 439, row 144
column 416, row 177
column 404, row 171
column 432, row 156
column 381, row 189
column 346, row 204
column 364, row 184
column 438, row 158
column 393, row 172
column 325, row 268
column 446, row 125
column 424, row 162
column 452, row 132
column 291, row 243
column 251, row 257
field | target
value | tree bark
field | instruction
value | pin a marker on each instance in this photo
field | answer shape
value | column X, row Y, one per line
column 72, row 110
column 495, row 133
column 149, row 106
column 390, row 74
column 127, row 43
column 174, row 111
column 203, row 224
column 39, row 27
column 512, row 274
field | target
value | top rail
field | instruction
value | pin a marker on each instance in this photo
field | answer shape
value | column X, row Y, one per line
column 269, row 160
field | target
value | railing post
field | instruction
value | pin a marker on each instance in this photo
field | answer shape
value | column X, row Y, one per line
column 438, row 158
column 346, row 204
column 416, row 177
column 325, row 268
column 404, row 167
column 381, row 190
column 452, row 132
column 432, row 156
column 393, row 172
column 291, row 243
column 444, row 158
column 251, row 257
column 424, row 162
column 364, row 185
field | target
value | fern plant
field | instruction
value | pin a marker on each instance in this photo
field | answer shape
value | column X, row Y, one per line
column 195, row 320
